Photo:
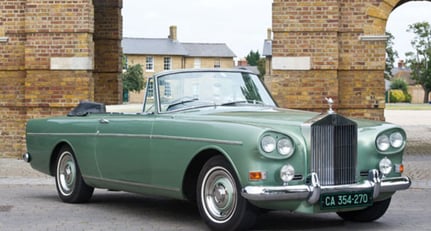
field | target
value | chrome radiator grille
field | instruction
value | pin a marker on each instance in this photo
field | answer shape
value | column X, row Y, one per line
column 334, row 150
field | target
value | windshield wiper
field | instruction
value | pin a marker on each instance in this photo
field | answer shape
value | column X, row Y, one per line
column 243, row 102
column 181, row 101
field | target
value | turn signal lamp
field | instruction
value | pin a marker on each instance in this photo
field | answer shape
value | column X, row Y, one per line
column 256, row 175
column 399, row 168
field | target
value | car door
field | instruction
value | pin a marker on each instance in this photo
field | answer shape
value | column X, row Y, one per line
column 123, row 148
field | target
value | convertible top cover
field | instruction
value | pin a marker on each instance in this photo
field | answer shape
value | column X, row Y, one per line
column 86, row 107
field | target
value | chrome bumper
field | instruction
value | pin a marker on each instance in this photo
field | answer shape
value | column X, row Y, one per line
column 312, row 192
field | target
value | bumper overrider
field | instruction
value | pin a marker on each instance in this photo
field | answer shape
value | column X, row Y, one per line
column 312, row 192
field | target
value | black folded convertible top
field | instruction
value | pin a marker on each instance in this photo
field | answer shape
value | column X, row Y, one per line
column 86, row 107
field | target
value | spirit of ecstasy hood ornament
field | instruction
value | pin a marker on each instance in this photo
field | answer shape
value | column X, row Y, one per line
column 330, row 103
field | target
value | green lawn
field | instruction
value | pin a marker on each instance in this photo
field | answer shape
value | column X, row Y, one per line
column 406, row 106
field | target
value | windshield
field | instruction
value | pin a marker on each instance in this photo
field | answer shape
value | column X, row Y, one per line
column 211, row 88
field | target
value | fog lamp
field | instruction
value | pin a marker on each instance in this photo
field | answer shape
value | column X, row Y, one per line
column 287, row 173
column 385, row 166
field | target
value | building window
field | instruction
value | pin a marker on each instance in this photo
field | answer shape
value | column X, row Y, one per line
column 197, row 63
column 217, row 63
column 167, row 64
column 149, row 63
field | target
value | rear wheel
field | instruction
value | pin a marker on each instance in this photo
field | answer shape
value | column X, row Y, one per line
column 372, row 213
column 71, row 187
column 219, row 201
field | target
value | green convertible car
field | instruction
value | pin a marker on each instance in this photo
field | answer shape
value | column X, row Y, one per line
column 217, row 138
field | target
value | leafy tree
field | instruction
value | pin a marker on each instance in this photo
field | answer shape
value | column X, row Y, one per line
column 420, row 59
column 253, row 58
column 133, row 78
column 261, row 66
column 391, row 55
column 399, row 84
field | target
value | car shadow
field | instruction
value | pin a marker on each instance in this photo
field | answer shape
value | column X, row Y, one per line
column 179, row 213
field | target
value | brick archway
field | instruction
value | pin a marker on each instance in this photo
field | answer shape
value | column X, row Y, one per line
column 330, row 49
column 54, row 54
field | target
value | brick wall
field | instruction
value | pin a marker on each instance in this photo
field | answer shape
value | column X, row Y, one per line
column 342, row 66
column 107, row 37
column 48, row 64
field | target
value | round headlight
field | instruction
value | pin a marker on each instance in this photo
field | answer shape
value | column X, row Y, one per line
column 285, row 147
column 268, row 144
column 287, row 173
column 385, row 166
column 396, row 140
column 383, row 142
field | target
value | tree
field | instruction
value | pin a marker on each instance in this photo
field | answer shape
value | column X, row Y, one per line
column 420, row 59
column 133, row 78
column 253, row 58
column 391, row 54
column 261, row 66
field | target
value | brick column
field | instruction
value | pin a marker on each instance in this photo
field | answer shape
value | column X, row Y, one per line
column 330, row 49
column 59, row 55
column 12, row 77
column 107, row 38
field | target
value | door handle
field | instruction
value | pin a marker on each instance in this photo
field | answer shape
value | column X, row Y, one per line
column 104, row 121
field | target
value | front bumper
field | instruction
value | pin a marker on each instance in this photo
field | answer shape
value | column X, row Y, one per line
column 312, row 192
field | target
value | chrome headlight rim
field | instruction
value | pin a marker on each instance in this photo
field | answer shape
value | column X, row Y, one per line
column 383, row 143
column 396, row 139
column 391, row 141
column 268, row 144
column 285, row 146
column 276, row 145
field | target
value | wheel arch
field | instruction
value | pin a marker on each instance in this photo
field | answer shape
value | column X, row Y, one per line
column 54, row 155
column 191, row 175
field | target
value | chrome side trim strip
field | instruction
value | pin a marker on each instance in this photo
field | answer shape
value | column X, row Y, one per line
column 144, row 136
column 133, row 184
column 61, row 134
column 216, row 141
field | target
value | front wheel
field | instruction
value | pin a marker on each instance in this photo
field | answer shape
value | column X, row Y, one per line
column 71, row 187
column 368, row 214
column 219, row 201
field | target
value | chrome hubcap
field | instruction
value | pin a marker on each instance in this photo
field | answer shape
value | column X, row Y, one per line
column 219, row 195
column 66, row 173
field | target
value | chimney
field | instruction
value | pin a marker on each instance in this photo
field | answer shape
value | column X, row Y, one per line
column 269, row 34
column 401, row 64
column 173, row 33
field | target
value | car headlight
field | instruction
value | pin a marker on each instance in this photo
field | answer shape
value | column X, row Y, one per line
column 396, row 139
column 385, row 166
column 285, row 147
column 268, row 144
column 383, row 142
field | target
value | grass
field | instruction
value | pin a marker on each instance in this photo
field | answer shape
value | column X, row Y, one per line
column 407, row 106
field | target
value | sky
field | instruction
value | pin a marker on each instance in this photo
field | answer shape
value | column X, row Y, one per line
column 399, row 20
column 241, row 24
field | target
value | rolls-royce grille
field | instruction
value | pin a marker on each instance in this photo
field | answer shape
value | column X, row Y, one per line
column 334, row 150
